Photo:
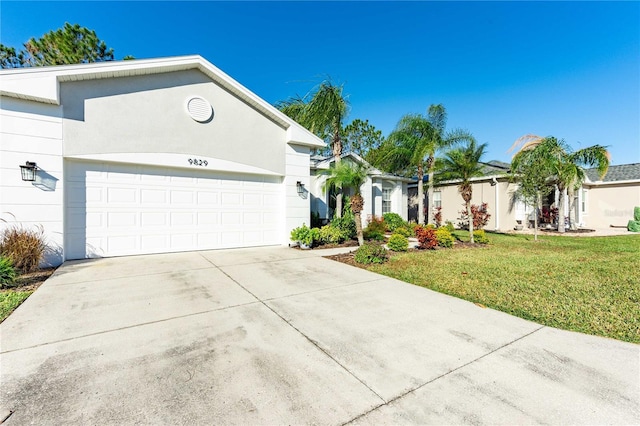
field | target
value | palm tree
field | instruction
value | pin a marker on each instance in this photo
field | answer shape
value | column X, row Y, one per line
column 463, row 164
column 564, row 165
column 323, row 113
column 413, row 145
column 345, row 174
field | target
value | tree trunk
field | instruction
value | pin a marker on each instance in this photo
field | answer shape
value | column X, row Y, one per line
column 572, row 209
column 357, row 203
column 337, row 152
column 561, row 212
column 469, row 214
column 430, row 190
column 421, row 195
column 358, row 220
column 535, row 218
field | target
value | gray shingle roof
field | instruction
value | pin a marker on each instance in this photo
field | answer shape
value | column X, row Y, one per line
column 495, row 167
column 616, row 173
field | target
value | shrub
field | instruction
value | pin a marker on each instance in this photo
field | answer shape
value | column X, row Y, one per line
column 371, row 253
column 330, row 235
column 480, row 237
column 374, row 235
column 375, row 229
column 480, row 216
column 636, row 214
column 7, row 272
column 346, row 224
column 303, row 234
column 23, row 247
column 404, row 231
column 393, row 221
column 398, row 242
column 450, row 226
column 426, row 237
column 437, row 216
column 377, row 224
column 444, row 237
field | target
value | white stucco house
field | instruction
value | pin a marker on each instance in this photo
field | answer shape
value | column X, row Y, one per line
column 148, row 156
column 382, row 192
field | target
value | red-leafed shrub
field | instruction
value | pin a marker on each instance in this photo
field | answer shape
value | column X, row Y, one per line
column 426, row 237
column 480, row 216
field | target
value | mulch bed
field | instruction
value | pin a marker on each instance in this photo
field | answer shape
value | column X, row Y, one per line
column 349, row 258
column 568, row 231
column 31, row 281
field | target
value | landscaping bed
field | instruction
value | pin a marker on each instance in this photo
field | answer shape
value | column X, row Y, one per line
column 23, row 287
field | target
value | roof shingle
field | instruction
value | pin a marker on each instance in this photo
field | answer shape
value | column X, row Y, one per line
column 616, row 173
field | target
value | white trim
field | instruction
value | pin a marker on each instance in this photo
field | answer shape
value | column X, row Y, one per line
column 176, row 161
column 615, row 182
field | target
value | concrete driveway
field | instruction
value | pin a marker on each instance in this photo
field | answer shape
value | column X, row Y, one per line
column 281, row 336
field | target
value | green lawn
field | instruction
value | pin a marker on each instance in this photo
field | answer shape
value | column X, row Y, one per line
column 9, row 300
column 586, row 284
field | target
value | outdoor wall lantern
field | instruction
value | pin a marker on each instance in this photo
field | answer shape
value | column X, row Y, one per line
column 300, row 187
column 28, row 171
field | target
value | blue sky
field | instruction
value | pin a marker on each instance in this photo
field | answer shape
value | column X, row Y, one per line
column 502, row 69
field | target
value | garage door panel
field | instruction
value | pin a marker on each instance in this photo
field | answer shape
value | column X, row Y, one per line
column 122, row 209
column 152, row 197
column 151, row 219
column 206, row 198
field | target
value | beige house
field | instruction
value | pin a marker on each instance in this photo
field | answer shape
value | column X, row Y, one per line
column 609, row 201
column 598, row 203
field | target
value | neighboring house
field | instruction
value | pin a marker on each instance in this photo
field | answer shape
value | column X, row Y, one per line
column 148, row 156
column 597, row 204
column 494, row 188
column 382, row 193
column 610, row 201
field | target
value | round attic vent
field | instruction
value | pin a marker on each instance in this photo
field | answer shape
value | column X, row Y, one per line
column 199, row 109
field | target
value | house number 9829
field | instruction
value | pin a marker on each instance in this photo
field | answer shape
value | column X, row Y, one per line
column 198, row 162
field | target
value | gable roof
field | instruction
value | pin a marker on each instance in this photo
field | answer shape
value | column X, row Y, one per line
column 324, row 163
column 618, row 173
column 42, row 84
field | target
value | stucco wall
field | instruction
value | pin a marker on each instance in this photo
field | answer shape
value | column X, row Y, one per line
column 297, row 206
column 31, row 131
column 148, row 114
column 610, row 205
column 502, row 216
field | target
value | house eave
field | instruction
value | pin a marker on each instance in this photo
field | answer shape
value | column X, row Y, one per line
column 612, row 183
column 42, row 84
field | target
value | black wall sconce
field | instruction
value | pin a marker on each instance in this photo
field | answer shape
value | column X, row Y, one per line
column 300, row 187
column 28, row 171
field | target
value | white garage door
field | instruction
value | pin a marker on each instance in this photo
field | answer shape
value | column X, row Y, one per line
column 118, row 209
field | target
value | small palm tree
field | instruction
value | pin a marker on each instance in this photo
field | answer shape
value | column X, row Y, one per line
column 563, row 165
column 463, row 164
column 322, row 112
column 414, row 143
column 346, row 174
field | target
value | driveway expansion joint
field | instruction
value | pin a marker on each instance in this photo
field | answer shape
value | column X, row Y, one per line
column 310, row 340
column 125, row 276
column 323, row 289
column 396, row 398
column 142, row 324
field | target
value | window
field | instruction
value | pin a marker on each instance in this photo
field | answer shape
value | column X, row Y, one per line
column 437, row 199
column 386, row 200
column 583, row 204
